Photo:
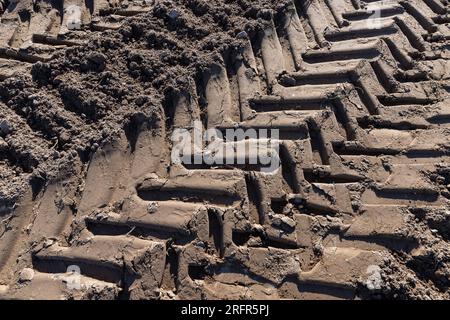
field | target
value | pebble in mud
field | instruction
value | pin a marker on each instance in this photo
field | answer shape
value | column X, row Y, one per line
column 48, row 243
column 174, row 14
column 73, row 14
column 200, row 244
column 5, row 127
column 242, row 35
column 26, row 274
column 94, row 146
column 374, row 281
column 152, row 207
column 288, row 222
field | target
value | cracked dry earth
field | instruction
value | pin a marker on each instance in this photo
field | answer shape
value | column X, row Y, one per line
column 92, row 207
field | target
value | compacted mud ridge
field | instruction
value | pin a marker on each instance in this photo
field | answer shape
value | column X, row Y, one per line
column 93, row 207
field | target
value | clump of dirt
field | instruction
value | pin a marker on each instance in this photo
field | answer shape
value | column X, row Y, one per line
column 421, row 274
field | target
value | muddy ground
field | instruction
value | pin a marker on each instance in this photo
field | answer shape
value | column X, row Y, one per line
column 58, row 113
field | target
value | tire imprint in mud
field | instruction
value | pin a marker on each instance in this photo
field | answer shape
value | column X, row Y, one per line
column 358, row 208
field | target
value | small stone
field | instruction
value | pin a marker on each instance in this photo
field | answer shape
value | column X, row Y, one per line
column 48, row 243
column 5, row 127
column 28, row 227
column 288, row 80
column 133, row 65
column 288, row 222
column 242, row 35
column 239, row 215
column 152, row 207
column 102, row 216
column 73, row 13
column 200, row 244
column 26, row 274
column 258, row 228
column 287, row 210
column 318, row 249
column 374, row 280
column 68, row 202
column 94, row 147
column 174, row 14
column 355, row 205
column 254, row 242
